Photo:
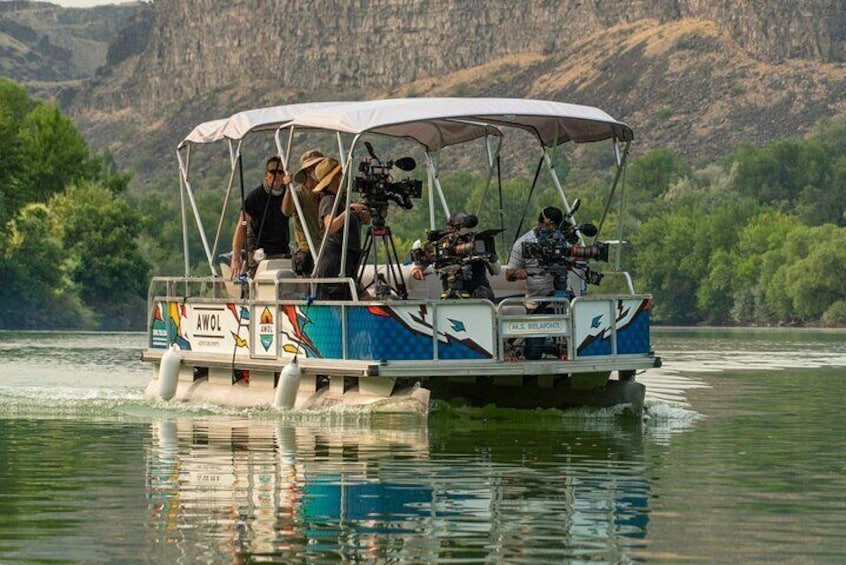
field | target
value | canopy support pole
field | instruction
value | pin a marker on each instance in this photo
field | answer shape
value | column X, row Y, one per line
column 434, row 174
column 183, row 169
column 621, row 164
column 232, row 163
column 293, row 186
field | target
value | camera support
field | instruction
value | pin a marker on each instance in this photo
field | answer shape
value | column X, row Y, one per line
column 379, row 235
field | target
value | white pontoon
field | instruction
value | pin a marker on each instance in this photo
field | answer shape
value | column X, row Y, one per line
column 272, row 343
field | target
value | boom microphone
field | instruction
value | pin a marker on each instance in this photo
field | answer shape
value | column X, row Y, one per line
column 370, row 150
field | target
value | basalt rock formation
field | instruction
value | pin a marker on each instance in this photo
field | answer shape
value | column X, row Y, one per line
column 698, row 76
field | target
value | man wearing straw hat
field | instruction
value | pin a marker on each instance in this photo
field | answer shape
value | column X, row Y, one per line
column 328, row 173
column 302, row 262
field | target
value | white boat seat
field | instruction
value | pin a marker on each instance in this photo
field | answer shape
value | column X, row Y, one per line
column 269, row 273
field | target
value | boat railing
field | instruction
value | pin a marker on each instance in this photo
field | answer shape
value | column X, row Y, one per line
column 521, row 318
column 182, row 288
column 627, row 278
column 218, row 289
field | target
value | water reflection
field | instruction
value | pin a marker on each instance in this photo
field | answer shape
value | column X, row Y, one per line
column 239, row 489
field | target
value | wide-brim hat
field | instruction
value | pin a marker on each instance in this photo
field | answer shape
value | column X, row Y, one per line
column 309, row 159
column 325, row 171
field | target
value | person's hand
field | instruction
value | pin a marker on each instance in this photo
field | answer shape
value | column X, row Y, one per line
column 417, row 272
column 362, row 211
column 520, row 274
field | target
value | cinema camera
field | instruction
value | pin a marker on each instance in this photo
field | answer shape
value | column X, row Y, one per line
column 378, row 188
column 557, row 253
column 453, row 247
column 454, row 251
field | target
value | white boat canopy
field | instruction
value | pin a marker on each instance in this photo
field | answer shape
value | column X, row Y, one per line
column 206, row 132
column 438, row 122
column 435, row 123
column 238, row 125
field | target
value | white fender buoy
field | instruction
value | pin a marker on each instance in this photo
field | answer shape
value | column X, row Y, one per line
column 169, row 372
column 288, row 386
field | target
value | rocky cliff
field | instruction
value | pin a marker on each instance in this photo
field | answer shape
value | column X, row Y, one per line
column 47, row 46
column 319, row 47
column 697, row 75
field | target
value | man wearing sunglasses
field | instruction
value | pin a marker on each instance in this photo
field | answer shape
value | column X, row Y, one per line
column 261, row 224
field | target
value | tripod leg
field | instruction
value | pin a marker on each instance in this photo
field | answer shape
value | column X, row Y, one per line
column 365, row 255
column 396, row 268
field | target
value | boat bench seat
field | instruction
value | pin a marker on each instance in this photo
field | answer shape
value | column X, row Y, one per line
column 269, row 273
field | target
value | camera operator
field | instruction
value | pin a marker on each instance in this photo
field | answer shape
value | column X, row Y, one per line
column 461, row 280
column 538, row 282
column 328, row 173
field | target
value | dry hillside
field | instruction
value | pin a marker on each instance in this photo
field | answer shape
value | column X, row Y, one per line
column 698, row 76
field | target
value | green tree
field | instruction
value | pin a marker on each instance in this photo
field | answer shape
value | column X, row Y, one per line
column 54, row 153
column 33, row 291
column 14, row 105
column 814, row 281
column 753, row 261
column 667, row 267
column 99, row 232
column 651, row 175
column 794, row 176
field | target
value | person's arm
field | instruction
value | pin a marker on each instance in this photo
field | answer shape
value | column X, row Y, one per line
column 289, row 208
column 338, row 223
column 515, row 270
column 515, row 274
column 239, row 240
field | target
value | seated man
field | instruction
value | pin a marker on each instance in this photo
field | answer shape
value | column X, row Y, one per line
column 464, row 273
column 538, row 282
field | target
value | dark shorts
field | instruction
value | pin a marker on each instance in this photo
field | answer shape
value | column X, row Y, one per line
column 302, row 263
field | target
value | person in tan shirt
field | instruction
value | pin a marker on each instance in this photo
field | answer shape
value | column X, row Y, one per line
column 302, row 261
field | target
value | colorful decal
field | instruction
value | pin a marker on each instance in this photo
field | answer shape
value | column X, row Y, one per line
column 294, row 339
column 267, row 329
column 594, row 329
column 465, row 331
column 243, row 316
column 167, row 330
column 381, row 332
column 239, row 341
column 210, row 327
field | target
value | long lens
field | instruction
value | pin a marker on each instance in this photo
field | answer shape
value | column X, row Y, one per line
column 598, row 251
column 463, row 249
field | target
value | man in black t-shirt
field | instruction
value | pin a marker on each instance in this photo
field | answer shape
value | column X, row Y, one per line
column 261, row 224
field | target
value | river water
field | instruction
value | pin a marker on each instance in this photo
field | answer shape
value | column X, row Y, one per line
column 741, row 457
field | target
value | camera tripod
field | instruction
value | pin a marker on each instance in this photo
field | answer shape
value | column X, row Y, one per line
column 379, row 235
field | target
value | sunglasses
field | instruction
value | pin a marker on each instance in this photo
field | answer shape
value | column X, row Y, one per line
column 276, row 172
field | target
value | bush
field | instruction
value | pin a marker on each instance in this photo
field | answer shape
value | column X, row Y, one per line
column 835, row 315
